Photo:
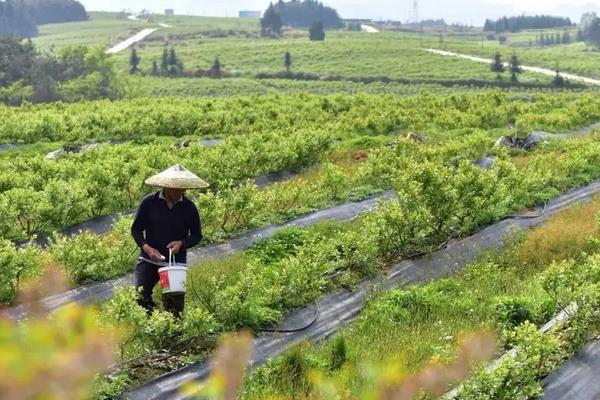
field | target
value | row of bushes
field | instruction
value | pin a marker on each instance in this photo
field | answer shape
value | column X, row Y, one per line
column 39, row 195
column 139, row 118
column 88, row 257
column 435, row 200
column 537, row 354
column 477, row 83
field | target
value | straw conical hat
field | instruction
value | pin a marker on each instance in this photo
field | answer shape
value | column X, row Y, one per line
column 176, row 177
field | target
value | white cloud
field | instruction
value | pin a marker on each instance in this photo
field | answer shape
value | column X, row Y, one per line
column 539, row 5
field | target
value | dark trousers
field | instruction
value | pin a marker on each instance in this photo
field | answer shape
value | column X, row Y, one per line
column 146, row 277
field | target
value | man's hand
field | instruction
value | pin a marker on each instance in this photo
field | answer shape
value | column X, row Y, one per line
column 175, row 246
column 153, row 253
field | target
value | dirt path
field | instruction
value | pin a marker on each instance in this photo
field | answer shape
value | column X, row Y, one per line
column 369, row 29
column 128, row 42
column 538, row 70
column 339, row 308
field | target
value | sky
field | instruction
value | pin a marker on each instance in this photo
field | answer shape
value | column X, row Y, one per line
column 464, row 11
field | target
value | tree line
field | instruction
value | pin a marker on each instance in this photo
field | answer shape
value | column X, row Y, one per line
column 589, row 29
column 299, row 14
column 516, row 24
column 172, row 66
column 552, row 39
column 20, row 18
column 76, row 73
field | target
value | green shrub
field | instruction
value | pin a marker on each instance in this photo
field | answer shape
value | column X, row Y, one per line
column 16, row 266
column 283, row 244
column 338, row 353
column 88, row 257
column 198, row 322
column 294, row 369
column 512, row 311
column 335, row 182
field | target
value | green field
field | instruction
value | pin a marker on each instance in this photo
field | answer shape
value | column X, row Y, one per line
column 394, row 55
column 104, row 28
column 576, row 58
column 357, row 115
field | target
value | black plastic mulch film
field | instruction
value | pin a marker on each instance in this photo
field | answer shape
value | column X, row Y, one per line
column 339, row 308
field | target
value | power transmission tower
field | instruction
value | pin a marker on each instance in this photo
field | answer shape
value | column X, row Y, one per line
column 415, row 11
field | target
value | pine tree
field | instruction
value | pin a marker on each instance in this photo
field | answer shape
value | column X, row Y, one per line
column 593, row 33
column 498, row 66
column 173, row 63
column 287, row 61
column 134, row 61
column 316, row 32
column 271, row 22
column 172, row 59
column 558, row 80
column 514, row 66
column 216, row 69
column 164, row 62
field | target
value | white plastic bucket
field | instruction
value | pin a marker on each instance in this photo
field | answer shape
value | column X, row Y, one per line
column 172, row 278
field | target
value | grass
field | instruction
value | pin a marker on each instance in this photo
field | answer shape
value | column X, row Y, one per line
column 401, row 331
column 199, row 40
column 513, row 39
column 109, row 28
column 522, row 38
column 575, row 58
column 101, row 29
column 350, row 54
column 200, row 87
column 187, row 26
column 565, row 236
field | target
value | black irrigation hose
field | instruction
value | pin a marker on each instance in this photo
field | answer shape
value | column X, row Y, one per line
column 531, row 216
column 316, row 306
column 311, row 323
column 274, row 330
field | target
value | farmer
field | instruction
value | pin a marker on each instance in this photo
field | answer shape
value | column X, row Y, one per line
column 166, row 220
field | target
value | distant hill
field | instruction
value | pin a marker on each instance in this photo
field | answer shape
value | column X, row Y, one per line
column 21, row 18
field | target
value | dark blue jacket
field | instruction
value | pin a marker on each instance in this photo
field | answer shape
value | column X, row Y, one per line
column 157, row 225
